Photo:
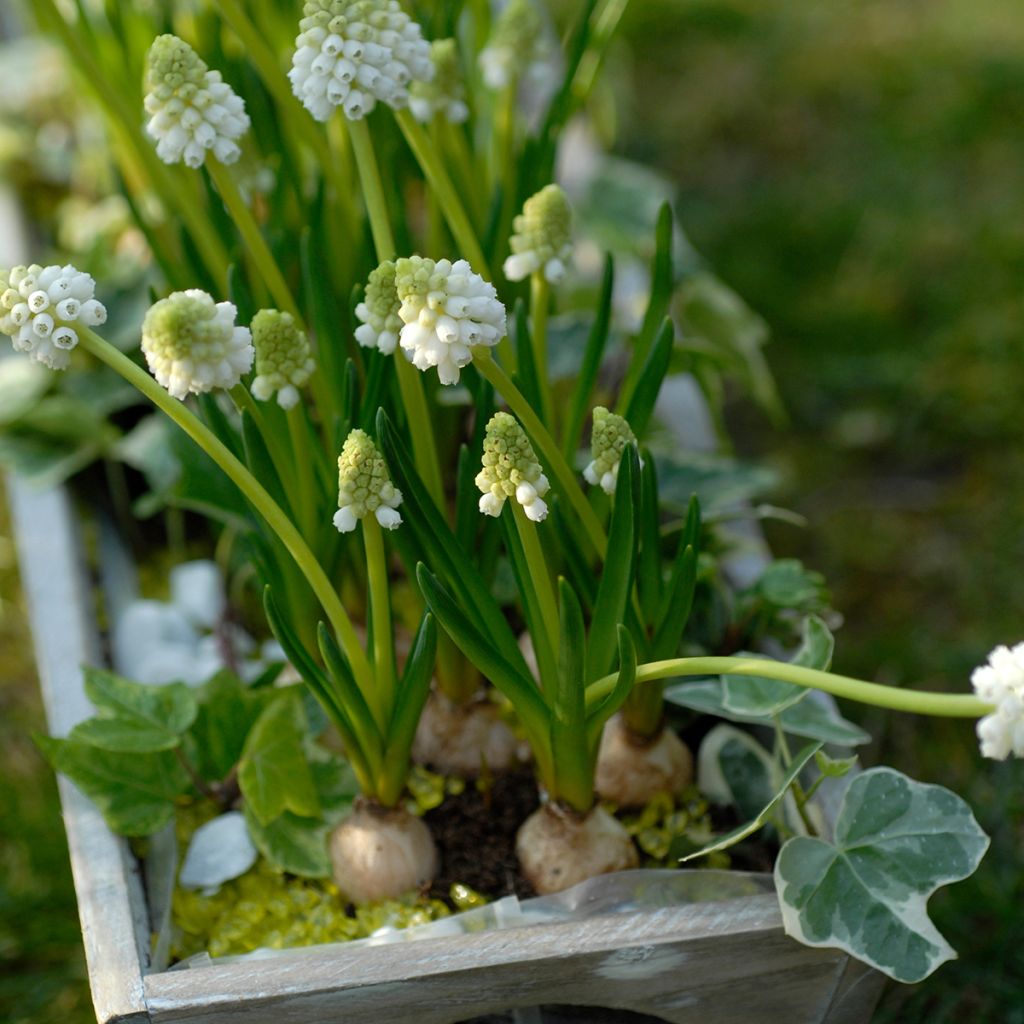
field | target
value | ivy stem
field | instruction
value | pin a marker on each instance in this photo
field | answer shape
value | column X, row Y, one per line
column 941, row 705
column 539, row 297
column 383, row 697
column 410, row 382
column 253, row 238
column 798, row 791
column 253, row 490
column 540, row 436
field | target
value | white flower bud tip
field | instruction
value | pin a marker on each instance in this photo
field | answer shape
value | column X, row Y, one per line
column 364, row 485
column 39, row 307
column 192, row 344
column 510, row 469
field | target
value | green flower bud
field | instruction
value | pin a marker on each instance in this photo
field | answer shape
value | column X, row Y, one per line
column 608, row 441
column 364, row 485
column 542, row 238
column 283, row 359
column 444, row 93
column 379, row 311
column 513, row 44
column 510, row 469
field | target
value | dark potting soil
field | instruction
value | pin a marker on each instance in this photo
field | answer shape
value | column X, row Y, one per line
column 475, row 834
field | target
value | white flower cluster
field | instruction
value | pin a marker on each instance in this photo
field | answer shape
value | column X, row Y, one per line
column 510, row 469
column 1001, row 682
column 378, row 312
column 608, row 441
column 444, row 94
column 283, row 359
column 513, row 44
column 354, row 54
column 191, row 109
column 39, row 305
column 192, row 345
column 542, row 239
column 446, row 309
column 364, row 485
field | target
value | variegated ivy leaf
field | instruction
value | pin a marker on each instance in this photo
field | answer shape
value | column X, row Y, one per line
column 753, row 695
column 734, row 769
column 896, row 842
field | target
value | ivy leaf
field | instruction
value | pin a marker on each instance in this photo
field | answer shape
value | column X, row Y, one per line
column 292, row 843
column 733, row 768
column 134, row 792
column 896, row 842
column 273, row 772
column 761, row 819
column 133, row 717
column 754, row 695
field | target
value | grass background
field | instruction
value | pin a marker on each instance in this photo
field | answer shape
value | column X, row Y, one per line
column 856, row 171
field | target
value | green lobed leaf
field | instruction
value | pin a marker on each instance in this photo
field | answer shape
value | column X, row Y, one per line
column 762, row 817
column 133, row 717
column 273, row 773
column 134, row 792
column 896, row 842
column 292, row 843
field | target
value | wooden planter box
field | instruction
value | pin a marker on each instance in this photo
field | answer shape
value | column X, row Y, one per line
column 709, row 962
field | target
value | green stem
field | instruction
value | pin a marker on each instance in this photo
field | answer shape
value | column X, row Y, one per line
column 383, row 697
column 373, row 190
column 539, row 579
column 539, row 297
column 253, row 238
column 253, row 491
column 545, row 443
column 798, row 791
column 283, row 462
column 942, row 705
column 439, row 180
column 299, row 437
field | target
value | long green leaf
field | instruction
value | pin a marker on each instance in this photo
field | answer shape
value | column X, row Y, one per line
column 351, row 697
column 641, row 404
column 677, row 597
column 649, row 582
column 623, row 686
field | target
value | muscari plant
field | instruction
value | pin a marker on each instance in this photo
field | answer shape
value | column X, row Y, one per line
column 432, row 495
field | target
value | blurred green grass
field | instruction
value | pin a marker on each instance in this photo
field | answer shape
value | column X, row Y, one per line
column 856, row 172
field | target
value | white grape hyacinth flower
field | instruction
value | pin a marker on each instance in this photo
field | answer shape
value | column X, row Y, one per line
column 192, row 110
column 514, row 44
column 192, row 344
column 445, row 93
column 364, row 485
column 447, row 310
column 542, row 239
column 511, row 470
column 608, row 440
column 1000, row 682
column 355, row 54
column 378, row 312
column 40, row 308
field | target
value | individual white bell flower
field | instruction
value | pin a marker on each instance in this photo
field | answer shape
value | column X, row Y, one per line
column 41, row 306
column 445, row 93
column 511, row 470
column 1000, row 682
column 354, row 53
column 514, row 44
column 447, row 309
column 192, row 344
column 364, row 485
column 284, row 362
column 378, row 312
column 192, row 110
column 542, row 239
column 608, row 440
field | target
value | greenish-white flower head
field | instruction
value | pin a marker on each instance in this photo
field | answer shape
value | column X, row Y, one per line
column 378, row 312
column 1000, row 682
column 447, row 310
column 364, row 485
column 514, row 44
column 192, row 344
column 608, row 441
column 542, row 238
column 284, row 362
column 445, row 93
column 40, row 308
column 354, row 53
column 192, row 110
column 511, row 470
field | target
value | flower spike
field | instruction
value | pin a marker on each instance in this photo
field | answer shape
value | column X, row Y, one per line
column 446, row 309
column 444, row 94
column 283, row 359
column 39, row 305
column 609, row 438
column 354, row 54
column 542, row 239
column 510, row 469
column 513, row 44
column 192, row 110
column 192, row 344
column 364, row 485
column 378, row 312
column 1000, row 681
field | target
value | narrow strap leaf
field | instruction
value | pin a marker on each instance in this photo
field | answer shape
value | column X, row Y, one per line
column 649, row 581
column 412, row 692
column 641, row 405
column 623, row 686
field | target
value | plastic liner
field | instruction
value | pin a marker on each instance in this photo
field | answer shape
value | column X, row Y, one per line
column 618, row 893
